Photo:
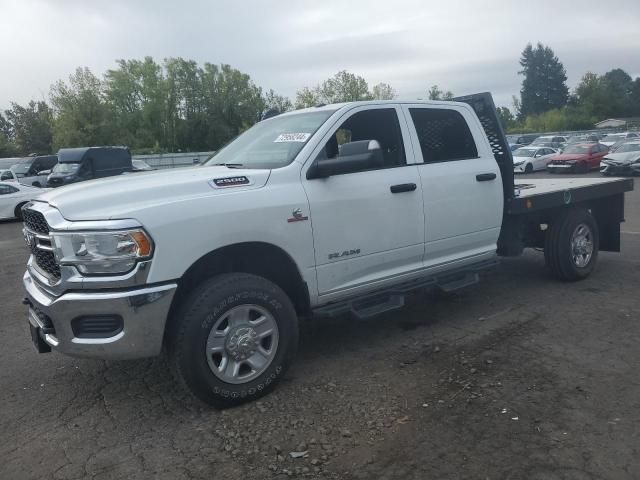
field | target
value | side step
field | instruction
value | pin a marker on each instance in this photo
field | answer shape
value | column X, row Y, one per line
column 372, row 304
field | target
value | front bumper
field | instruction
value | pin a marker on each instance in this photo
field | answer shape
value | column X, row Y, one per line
column 562, row 167
column 621, row 169
column 143, row 311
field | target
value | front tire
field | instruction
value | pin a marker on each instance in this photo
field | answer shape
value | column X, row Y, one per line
column 571, row 245
column 528, row 168
column 232, row 339
column 18, row 211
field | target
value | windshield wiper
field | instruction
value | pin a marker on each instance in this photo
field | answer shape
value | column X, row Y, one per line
column 228, row 165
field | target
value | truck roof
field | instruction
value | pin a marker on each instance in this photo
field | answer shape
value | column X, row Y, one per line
column 338, row 106
column 75, row 155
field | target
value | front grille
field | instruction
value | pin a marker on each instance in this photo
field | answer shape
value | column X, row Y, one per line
column 45, row 260
column 35, row 221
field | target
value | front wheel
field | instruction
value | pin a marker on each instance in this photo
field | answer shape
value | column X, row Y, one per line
column 571, row 245
column 528, row 168
column 232, row 339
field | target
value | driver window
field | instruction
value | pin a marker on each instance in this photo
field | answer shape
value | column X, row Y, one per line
column 6, row 189
column 6, row 176
column 377, row 124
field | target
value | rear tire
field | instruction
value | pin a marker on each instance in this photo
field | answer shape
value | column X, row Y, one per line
column 219, row 343
column 37, row 184
column 571, row 245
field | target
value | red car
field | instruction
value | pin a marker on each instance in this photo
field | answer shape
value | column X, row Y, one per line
column 580, row 157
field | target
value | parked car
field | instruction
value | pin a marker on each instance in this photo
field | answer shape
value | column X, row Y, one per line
column 554, row 141
column 141, row 166
column 34, row 170
column 8, row 176
column 522, row 140
column 88, row 163
column 531, row 158
column 320, row 212
column 612, row 138
column 9, row 162
column 580, row 158
column 625, row 160
column 588, row 138
column 13, row 195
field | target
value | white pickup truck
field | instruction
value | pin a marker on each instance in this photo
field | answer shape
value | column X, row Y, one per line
column 321, row 211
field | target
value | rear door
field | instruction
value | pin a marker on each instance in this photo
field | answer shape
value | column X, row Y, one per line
column 368, row 226
column 461, row 183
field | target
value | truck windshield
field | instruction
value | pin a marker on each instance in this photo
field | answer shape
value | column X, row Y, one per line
column 272, row 143
column 65, row 167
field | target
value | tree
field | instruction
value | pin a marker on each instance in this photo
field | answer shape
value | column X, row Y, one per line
column 436, row 94
column 137, row 94
column 274, row 101
column 342, row 87
column 544, row 85
column 29, row 128
column 506, row 118
column 308, row 97
column 82, row 115
column 383, row 91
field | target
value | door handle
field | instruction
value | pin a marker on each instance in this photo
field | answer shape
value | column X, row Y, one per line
column 403, row 187
column 485, row 177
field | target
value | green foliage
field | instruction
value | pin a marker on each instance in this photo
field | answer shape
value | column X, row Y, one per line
column 342, row 87
column 383, row 91
column 27, row 129
column 83, row 116
column 506, row 118
column 274, row 101
column 436, row 94
column 544, row 85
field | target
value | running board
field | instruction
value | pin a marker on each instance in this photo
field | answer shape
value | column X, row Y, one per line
column 369, row 305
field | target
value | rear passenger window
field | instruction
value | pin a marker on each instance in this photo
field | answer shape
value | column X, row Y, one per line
column 443, row 135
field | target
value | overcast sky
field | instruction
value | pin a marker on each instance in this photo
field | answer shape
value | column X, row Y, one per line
column 464, row 46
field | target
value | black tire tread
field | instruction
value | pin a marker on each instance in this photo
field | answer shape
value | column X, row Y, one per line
column 554, row 251
column 196, row 300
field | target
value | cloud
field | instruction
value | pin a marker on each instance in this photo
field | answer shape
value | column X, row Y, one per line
column 287, row 44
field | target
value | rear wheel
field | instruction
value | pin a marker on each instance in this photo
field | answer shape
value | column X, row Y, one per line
column 571, row 245
column 232, row 339
column 37, row 184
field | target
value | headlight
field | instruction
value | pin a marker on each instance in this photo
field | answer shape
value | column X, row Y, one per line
column 102, row 252
column 517, row 164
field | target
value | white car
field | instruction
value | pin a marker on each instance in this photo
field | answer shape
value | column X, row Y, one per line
column 8, row 176
column 530, row 159
column 616, row 137
column 14, row 195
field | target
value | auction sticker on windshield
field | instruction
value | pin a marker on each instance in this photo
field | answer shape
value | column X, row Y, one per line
column 292, row 137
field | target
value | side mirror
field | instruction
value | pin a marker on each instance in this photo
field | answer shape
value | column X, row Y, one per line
column 353, row 157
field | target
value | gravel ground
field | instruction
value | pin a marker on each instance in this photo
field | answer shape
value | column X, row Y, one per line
column 519, row 377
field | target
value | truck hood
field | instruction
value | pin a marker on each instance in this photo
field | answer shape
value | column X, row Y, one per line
column 624, row 158
column 120, row 196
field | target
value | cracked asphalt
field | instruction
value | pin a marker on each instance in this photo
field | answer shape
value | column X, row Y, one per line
column 518, row 377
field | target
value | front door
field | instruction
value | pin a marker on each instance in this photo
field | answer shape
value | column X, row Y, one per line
column 363, row 232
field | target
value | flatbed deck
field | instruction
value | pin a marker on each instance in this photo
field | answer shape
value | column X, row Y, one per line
column 542, row 193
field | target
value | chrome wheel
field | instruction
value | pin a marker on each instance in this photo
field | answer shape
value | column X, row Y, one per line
column 582, row 245
column 242, row 343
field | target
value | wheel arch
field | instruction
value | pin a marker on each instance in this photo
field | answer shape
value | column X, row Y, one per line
column 258, row 258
